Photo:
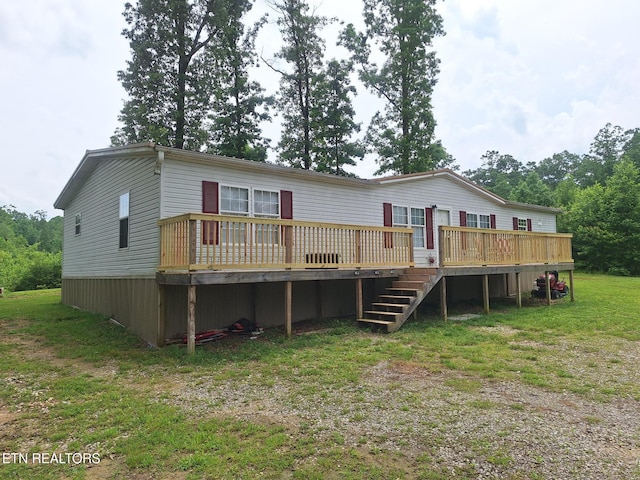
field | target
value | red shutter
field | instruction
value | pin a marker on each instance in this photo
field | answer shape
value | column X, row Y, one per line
column 210, row 197
column 387, row 211
column 492, row 221
column 429, row 223
column 463, row 218
column 515, row 223
column 388, row 214
column 209, row 205
column 286, row 204
column 529, row 225
column 286, row 213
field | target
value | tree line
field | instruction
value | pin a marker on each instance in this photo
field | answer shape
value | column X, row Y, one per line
column 598, row 192
column 30, row 250
column 191, row 83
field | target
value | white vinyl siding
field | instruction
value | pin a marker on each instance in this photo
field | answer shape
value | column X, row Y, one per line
column 96, row 252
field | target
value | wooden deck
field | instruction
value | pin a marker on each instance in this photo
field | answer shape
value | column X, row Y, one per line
column 193, row 242
column 463, row 246
column 205, row 249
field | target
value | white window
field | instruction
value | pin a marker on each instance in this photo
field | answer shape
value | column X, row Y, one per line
column 234, row 200
column 78, row 223
column 413, row 218
column 476, row 220
column 124, row 221
column 400, row 216
column 522, row 224
column 418, row 224
column 266, row 204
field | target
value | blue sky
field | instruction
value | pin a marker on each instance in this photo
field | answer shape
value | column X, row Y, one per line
column 528, row 78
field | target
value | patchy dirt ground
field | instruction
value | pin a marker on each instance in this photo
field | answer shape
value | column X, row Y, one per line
column 471, row 428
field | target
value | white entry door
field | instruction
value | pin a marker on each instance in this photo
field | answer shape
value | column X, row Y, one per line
column 443, row 217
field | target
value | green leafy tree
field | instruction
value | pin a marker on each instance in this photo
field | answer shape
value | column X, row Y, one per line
column 238, row 104
column 558, row 167
column 168, row 79
column 605, row 152
column 605, row 220
column 402, row 30
column 30, row 250
column 499, row 173
column 631, row 150
column 532, row 190
column 303, row 52
column 332, row 120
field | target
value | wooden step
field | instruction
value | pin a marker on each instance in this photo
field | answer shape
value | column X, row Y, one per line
column 420, row 271
column 401, row 306
column 413, row 291
column 399, row 299
column 415, row 278
column 382, row 313
column 407, row 284
column 373, row 320
column 388, row 326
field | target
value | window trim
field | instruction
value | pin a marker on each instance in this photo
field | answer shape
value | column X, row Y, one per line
column 477, row 216
column 410, row 224
column 78, row 224
column 231, row 212
column 523, row 227
column 253, row 213
column 123, row 220
column 273, row 234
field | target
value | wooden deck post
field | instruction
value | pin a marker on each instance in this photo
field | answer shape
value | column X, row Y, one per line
column 443, row 298
column 485, row 293
column 287, row 307
column 193, row 234
column 547, row 283
column 518, row 290
column 359, row 301
column 288, row 245
column 162, row 315
column 191, row 321
column 571, row 285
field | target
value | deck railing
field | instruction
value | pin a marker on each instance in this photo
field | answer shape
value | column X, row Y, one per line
column 197, row 241
column 472, row 246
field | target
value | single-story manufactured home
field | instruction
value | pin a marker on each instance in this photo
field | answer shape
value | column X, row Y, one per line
column 168, row 241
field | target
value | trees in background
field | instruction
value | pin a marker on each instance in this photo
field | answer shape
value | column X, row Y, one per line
column 332, row 120
column 238, row 104
column 188, row 73
column 599, row 193
column 30, row 250
column 402, row 31
column 188, row 83
column 302, row 52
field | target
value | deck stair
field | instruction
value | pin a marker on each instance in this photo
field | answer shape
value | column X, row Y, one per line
column 401, row 299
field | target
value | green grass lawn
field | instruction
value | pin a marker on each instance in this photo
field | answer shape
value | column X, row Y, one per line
column 73, row 382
